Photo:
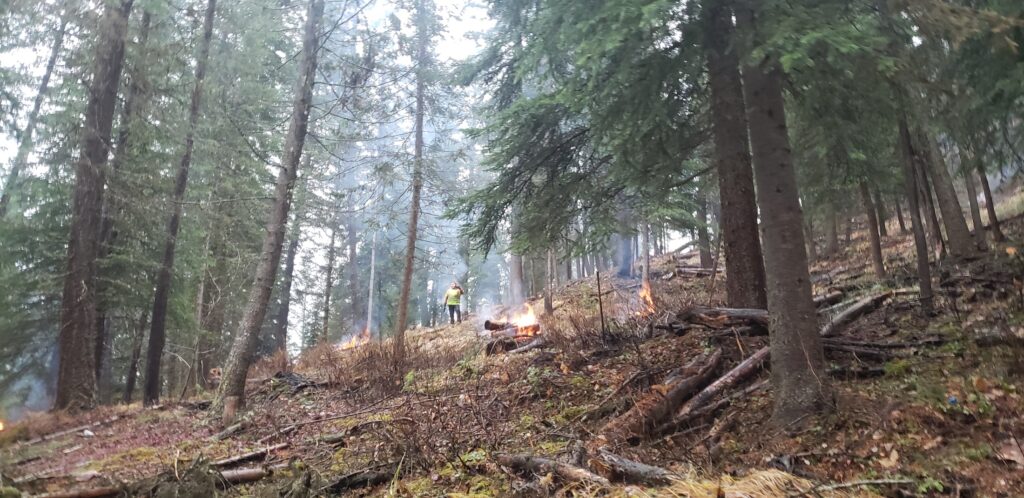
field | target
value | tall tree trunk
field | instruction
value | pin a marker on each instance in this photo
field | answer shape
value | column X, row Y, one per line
column 328, row 287
column 76, row 376
column 920, row 244
column 959, row 241
column 158, row 327
column 812, row 247
column 369, row 298
column 25, row 145
column 744, row 275
column 417, row 184
column 549, row 288
column 112, row 204
column 883, row 214
column 516, row 280
column 899, row 216
column 703, row 241
column 280, row 333
column 133, row 361
column 972, row 200
column 832, row 246
column 990, row 203
column 645, row 276
column 352, row 267
column 931, row 216
column 244, row 346
column 799, row 376
column 873, row 236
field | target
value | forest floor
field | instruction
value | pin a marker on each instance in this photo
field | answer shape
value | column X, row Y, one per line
column 925, row 405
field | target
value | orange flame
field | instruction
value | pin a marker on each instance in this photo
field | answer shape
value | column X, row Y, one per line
column 356, row 340
column 526, row 321
column 1, row 425
column 648, row 299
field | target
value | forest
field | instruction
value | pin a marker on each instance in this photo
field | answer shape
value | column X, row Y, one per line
column 701, row 248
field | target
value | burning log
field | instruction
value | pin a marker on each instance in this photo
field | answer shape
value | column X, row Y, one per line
column 507, row 329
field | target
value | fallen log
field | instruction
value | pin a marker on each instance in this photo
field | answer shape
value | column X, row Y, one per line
column 654, row 407
column 231, row 430
column 858, row 351
column 856, row 373
column 73, row 430
column 507, row 329
column 524, row 464
column 227, row 478
column 530, row 346
column 370, row 476
column 248, row 456
column 863, row 306
column 829, row 299
column 724, row 317
column 619, row 468
column 746, row 368
column 931, row 341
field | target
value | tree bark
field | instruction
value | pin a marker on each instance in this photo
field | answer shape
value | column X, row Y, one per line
column 328, row 287
column 812, row 247
column 515, row 280
column 352, row 266
column 111, row 204
column 799, row 374
column 417, row 184
column 76, row 376
column 745, row 273
column 873, row 236
column 244, row 346
column 280, row 333
column 25, row 144
column 645, row 276
column 899, row 217
column 930, row 215
column 920, row 244
column 990, row 203
column 832, row 247
column 959, row 241
column 133, row 362
column 158, row 326
column 549, row 289
column 883, row 214
column 972, row 201
column 369, row 298
column 703, row 240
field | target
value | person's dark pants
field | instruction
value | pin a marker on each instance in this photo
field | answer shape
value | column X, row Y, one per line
column 454, row 311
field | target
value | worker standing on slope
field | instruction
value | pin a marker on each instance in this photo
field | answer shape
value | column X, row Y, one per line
column 453, row 298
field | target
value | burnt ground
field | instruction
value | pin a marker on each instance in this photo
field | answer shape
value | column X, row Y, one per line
column 934, row 408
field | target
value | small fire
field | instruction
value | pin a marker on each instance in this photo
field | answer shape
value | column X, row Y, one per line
column 526, row 321
column 648, row 299
column 1, row 425
column 356, row 340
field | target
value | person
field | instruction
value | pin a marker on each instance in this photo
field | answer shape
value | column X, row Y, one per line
column 453, row 298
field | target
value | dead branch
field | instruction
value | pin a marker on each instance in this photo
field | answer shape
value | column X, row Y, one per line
column 620, row 468
column 359, row 428
column 231, row 430
column 863, row 306
column 248, row 456
column 658, row 404
column 740, row 372
column 540, row 466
